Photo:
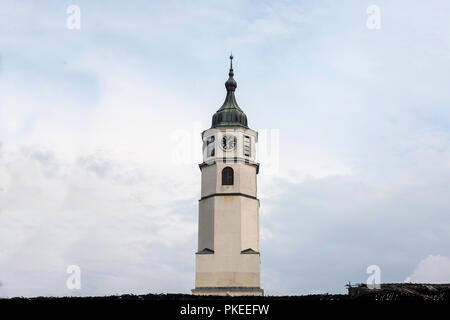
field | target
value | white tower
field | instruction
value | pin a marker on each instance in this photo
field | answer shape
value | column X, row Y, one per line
column 228, row 258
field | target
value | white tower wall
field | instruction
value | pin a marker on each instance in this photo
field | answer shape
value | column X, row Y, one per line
column 228, row 259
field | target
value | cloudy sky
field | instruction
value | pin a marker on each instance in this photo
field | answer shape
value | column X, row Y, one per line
column 100, row 140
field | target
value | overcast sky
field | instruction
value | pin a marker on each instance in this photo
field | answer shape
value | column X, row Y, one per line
column 100, row 140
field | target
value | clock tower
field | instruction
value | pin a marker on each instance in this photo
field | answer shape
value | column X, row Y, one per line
column 228, row 258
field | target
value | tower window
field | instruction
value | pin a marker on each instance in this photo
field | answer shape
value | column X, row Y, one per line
column 227, row 176
column 247, row 146
column 210, row 150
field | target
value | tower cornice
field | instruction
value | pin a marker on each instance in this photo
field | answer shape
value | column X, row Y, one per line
column 229, row 160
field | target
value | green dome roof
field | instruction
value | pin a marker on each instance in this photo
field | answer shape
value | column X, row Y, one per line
column 230, row 114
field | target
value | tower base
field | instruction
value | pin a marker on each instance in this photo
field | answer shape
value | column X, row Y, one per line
column 228, row 291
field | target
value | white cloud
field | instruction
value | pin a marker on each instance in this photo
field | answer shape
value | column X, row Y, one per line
column 103, row 193
column 432, row 269
column 103, row 215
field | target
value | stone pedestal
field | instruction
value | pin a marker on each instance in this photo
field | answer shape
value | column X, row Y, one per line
column 228, row 291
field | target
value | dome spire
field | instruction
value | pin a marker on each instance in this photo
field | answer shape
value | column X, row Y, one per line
column 231, row 83
column 231, row 62
column 230, row 114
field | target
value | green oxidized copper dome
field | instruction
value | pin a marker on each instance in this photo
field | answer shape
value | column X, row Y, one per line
column 230, row 114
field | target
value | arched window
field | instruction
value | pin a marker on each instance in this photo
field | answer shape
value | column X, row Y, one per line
column 227, row 176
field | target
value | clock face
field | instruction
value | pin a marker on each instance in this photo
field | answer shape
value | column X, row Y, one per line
column 228, row 142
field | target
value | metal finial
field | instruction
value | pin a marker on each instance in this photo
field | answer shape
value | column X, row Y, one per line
column 231, row 83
